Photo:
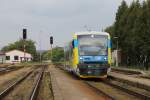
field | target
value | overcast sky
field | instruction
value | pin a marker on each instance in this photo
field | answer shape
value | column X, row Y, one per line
column 59, row 18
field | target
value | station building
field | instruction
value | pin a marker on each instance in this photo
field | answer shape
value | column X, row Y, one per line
column 2, row 57
column 15, row 56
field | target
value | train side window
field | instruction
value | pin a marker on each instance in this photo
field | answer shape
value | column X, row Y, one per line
column 73, row 43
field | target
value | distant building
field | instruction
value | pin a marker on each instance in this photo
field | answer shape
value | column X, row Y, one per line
column 17, row 56
column 2, row 57
column 116, row 57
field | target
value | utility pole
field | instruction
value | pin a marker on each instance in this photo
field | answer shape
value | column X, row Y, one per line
column 24, row 40
column 51, row 43
column 40, row 47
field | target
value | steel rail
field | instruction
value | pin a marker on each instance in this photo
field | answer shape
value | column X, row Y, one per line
column 35, row 91
column 12, row 86
column 126, row 72
column 99, row 91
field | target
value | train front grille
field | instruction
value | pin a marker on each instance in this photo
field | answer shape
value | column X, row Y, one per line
column 92, row 70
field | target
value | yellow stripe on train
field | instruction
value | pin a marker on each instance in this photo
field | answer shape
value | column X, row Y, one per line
column 75, row 58
column 109, row 56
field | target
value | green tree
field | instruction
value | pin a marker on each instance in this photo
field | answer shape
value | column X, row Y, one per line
column 19, row 45
column 120, row 28
column 57, row 54
column 120, row 23
column 110, row 30
column 133, row 22
column 132, row 27
column 46, row 55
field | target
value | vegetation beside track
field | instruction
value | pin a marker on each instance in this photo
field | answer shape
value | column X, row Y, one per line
column 131, row 31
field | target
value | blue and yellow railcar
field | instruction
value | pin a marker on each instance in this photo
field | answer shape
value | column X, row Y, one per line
column 88, row 55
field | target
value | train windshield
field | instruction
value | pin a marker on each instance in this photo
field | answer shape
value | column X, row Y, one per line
column 92, row 45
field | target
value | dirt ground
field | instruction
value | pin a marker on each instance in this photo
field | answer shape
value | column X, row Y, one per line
column 7, row 79
column 4, row 65
column 72, row 88
column 24, row 89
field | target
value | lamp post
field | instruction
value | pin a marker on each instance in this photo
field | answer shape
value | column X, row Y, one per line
column 117, row 51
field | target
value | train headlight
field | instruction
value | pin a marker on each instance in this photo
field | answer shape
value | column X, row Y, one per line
column 81, row 58
column 105, row 58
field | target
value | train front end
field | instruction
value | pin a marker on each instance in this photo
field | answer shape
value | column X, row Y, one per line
column 92, row 54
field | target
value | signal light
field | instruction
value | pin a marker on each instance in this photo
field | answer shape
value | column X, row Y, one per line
column 24, row 34
column 51, row 40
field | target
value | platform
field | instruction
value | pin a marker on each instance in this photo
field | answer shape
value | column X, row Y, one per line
column 140, row 82
column 71, row 88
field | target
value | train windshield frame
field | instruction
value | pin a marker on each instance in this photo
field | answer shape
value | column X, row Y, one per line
column 92, row 45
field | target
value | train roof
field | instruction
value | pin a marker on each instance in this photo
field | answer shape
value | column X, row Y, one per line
column 92, row 32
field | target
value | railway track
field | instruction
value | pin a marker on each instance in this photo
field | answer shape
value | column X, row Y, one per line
column 136, row 80
column 136, row 74
column 145, row 77
column 119, row 91
column 105, row 94
column 37, row 85
column 46, row 91
column 4, row 70
column 126, row 72
column 26, row 87
column 11, row 87
column 8, row 69
column 137, row 92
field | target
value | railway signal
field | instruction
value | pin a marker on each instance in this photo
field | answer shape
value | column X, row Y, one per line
column 24, row 38
column 51, row 43
column 24, row 34
column 51, row 40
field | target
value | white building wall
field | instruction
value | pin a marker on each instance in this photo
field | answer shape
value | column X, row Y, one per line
column 19, row 54
column 116, row 56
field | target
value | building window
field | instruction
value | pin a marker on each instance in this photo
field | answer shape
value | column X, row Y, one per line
column 7, row 57
column 16, row 57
